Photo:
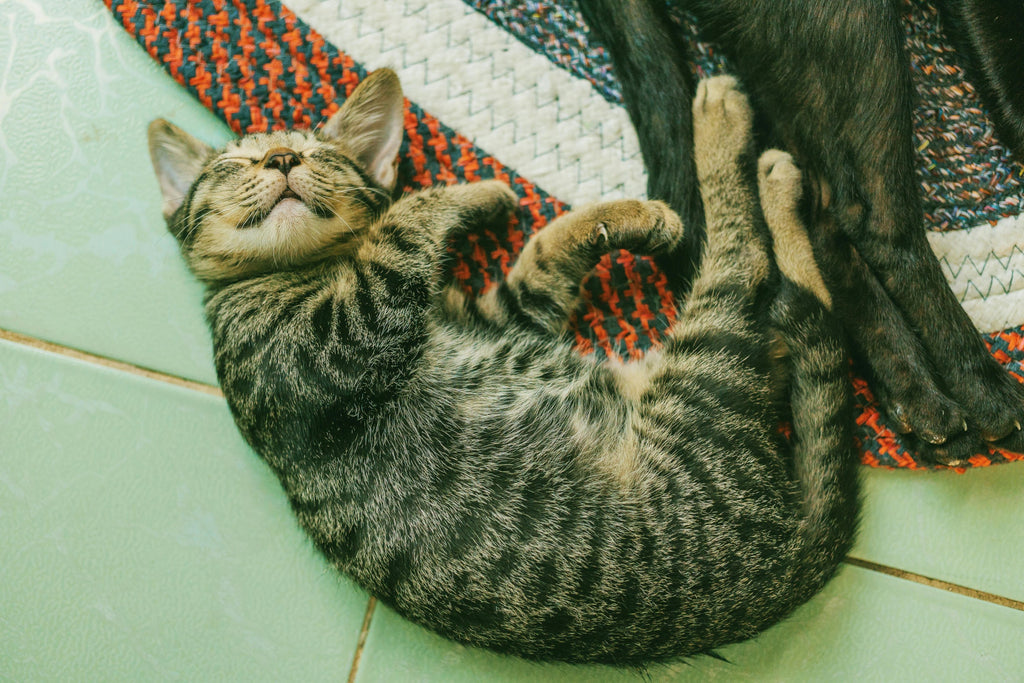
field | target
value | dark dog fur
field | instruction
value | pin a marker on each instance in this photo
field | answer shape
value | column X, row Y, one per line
column 990, row 33
column 832, row 79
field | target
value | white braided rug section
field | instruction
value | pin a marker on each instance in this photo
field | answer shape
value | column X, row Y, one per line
column 985, row 268
column 544, row 122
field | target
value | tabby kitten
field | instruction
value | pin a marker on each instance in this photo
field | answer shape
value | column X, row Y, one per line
column 458, row 458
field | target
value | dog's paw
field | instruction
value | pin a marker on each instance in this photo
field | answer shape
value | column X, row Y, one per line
column 923, row 411
column 994, row 401
column 958, row 450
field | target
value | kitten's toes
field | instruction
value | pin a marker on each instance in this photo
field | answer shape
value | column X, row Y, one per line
column 779, row 185
column 722, row 120
column 649, row 227
column 778, row 181
column 491, row 202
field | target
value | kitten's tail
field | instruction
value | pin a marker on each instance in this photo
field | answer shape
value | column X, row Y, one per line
column 824, row 458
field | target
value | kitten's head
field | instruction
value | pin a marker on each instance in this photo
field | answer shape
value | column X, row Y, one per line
column 278, row 200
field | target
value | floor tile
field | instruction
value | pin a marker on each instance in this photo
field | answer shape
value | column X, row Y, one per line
column 142, row 539
column 966, row 529
column 85, row 258
column 864, row 626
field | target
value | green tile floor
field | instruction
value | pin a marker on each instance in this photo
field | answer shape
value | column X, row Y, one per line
column 140, row 539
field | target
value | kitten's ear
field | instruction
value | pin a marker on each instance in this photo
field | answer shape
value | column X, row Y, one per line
column 370, row 124
column 177, row 159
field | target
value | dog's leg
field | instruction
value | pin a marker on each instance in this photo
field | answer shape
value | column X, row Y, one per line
column 658, row 90
column 834, row 78
column 990, row 34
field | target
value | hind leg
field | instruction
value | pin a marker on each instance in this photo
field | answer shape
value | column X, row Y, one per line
column 718, row 334
column 736, row 261
column 819, row 389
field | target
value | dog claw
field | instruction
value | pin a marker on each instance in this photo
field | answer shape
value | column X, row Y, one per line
column 999, row 437
column 903, row 424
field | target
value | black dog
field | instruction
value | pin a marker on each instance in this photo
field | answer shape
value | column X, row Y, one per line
column 833, row 81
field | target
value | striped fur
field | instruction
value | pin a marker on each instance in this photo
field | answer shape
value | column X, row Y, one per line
column 458, row 458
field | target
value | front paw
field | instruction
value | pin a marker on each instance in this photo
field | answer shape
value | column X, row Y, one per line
column 994, row 401
column 642, row 227
column 486, row 204
column 917, row 406
column 722, row 122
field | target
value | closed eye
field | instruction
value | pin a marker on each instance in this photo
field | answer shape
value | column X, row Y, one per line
column 237, row 160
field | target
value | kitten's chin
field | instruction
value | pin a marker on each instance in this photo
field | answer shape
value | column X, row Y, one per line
column 288, row 213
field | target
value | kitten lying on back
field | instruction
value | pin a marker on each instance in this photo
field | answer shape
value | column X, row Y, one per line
column 458, row 458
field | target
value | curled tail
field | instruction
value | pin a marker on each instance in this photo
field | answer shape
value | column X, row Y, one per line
column 824, row 457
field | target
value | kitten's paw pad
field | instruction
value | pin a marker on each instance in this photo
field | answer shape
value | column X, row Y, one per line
column 722, row 119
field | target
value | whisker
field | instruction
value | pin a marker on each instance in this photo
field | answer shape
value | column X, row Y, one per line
column 195, row 220
column 340, row 218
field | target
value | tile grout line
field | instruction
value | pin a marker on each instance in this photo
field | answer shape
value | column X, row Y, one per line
column 110, row 363
column 121, row 366
column 936, row 583
column 371, row 605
